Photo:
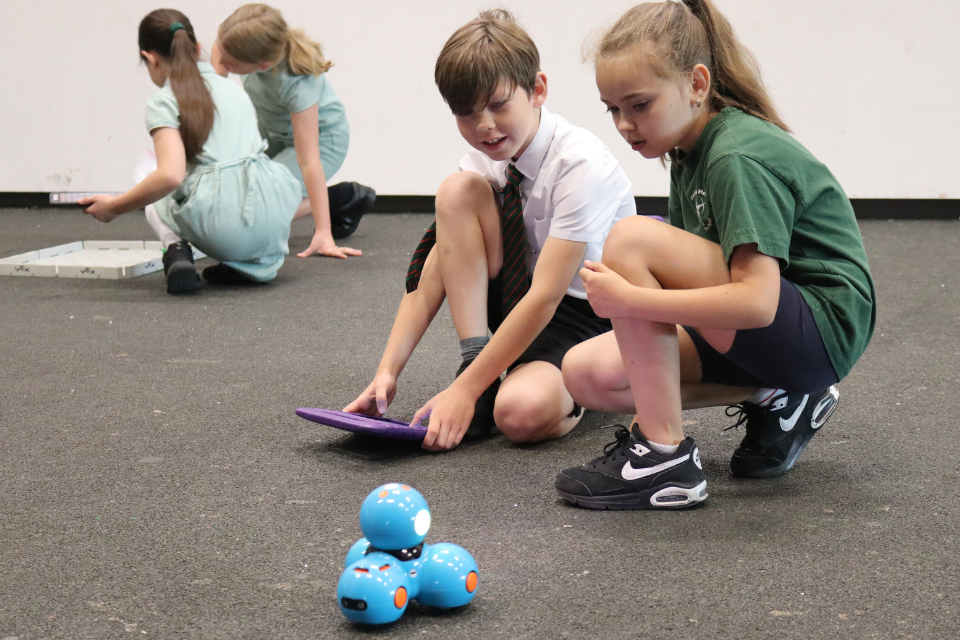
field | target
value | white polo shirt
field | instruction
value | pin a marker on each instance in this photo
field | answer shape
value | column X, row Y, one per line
column 573, row 189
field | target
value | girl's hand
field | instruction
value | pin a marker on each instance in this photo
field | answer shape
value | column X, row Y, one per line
column 100, row 207
column 450, row 413
column 324, row 245
column 376, row 397
column 607, row 291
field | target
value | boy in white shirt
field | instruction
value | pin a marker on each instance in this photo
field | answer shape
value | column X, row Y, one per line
column 571, row 190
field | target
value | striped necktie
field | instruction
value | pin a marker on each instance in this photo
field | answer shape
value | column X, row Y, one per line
column 513, row 274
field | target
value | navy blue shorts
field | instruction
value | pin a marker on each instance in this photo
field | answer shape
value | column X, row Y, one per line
column 572, row 323
column 789, row 354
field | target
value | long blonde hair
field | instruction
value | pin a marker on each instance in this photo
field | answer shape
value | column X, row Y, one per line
column 257, row 33
column 679, row 36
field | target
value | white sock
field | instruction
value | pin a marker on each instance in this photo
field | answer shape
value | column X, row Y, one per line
column 764, row 397
column 165, row 233
column 665, row 449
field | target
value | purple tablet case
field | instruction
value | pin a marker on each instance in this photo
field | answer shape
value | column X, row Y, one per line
column 358, row 423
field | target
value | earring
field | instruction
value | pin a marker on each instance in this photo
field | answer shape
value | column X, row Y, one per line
column 698, row 102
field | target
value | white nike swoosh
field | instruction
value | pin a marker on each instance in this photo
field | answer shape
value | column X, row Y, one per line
column 787, row 424
column 630, row 473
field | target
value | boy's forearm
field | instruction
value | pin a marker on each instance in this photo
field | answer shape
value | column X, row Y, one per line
column 525, row 322
column 417, row 310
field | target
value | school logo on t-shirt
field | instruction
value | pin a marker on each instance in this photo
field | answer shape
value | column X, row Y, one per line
column 699, row 198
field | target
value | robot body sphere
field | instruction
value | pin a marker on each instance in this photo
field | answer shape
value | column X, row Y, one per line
column 392, row 565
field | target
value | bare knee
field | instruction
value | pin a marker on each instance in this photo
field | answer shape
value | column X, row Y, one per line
column 462, row 193
column 523, row 417
column 630, row 237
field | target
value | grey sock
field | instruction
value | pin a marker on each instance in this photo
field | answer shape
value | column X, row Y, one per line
column 470, row 348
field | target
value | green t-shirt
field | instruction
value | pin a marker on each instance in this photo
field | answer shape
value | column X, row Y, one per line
column 747, row 181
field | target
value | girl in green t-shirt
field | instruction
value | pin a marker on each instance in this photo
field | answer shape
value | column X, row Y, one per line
column 303, row 121
column 757, row 294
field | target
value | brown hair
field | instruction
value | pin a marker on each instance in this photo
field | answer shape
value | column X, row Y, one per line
column 257, row 33
column 679, row 36
column 480, row 55
column 179, row 50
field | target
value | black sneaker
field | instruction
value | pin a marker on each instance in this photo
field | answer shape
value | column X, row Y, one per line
column 345, row 219
column 777, row 435
column 182, row 276
column 482, row 423
column 631, row 475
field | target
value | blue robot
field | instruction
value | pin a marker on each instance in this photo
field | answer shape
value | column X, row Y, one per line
column 391, row 565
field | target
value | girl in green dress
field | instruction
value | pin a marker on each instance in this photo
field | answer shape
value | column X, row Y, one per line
column 305, row 125
column 214, row 187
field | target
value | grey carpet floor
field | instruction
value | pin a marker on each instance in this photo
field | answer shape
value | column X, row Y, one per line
column 155, row 481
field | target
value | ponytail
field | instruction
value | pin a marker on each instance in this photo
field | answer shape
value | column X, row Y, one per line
column 305, row 56
column 257, row 33
column 679, row 36
column 178, row 47
column 737, row 81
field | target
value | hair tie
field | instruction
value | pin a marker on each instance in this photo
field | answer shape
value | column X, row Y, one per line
column 176, row 26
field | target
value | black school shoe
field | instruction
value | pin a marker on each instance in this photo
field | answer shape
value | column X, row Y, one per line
column 777, row 435
column 482, row 423
column 178, row 267
column 345, row 219
column 631, row 475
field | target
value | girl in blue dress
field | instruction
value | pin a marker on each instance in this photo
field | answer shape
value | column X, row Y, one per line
column 305, row 125
column 214, row 187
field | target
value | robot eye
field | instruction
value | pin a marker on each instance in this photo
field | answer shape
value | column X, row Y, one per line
column 384, row 567
column 360, row 570
column 355, row 605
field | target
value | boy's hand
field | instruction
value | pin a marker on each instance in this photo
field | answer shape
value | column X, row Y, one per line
column 450, row 413
column 607, row 291
column 100, row 207
column 323, row 244
column 376, row 397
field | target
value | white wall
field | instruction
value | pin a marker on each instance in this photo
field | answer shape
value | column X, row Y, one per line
column 870, row 86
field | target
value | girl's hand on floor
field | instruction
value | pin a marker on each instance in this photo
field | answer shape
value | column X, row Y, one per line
column 376, row 397
column 324, row 245
column 100, row 207
column 607, row 291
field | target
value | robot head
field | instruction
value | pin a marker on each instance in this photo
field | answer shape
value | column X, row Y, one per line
column 374, row 590
column 395, row 516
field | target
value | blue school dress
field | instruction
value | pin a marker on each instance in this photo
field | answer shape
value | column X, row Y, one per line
column 276, row 93
column 235, row 204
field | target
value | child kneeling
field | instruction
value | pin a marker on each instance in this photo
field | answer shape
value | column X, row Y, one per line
column 534, row 197
column 213, row 187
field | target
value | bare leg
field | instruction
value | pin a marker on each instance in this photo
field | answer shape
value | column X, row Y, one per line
column 469, row 247
column 650, row 254
column 533, row 404
column 593, row 371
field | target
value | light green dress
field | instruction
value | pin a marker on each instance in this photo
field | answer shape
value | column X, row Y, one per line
column 276, row 93
column 235, row 204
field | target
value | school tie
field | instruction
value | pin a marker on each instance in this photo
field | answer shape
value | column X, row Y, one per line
column 515, row 281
